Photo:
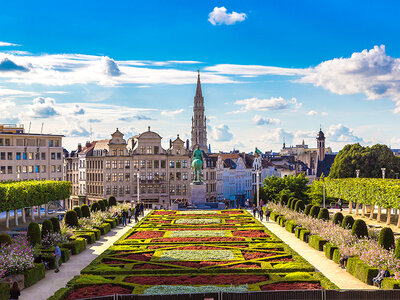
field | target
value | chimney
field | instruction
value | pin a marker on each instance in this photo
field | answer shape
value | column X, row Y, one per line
column 79, row 147
column 170, row 143
column 187, row 144
column 88, row 144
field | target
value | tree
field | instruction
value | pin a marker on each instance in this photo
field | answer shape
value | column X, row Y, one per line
column 292, row 186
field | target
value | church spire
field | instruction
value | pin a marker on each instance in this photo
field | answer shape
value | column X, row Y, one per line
column 199, row 126
column 199, row 94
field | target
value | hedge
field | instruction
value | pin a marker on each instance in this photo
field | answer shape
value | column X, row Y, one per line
column 386, row 238
column 303, row 234
column 85, row 211
column 314, row 211
column 397, row 250
column 78, row 211
column 112, row 201
column 56, row 224
column 33, row 275
column 102, row 205
column 336, row 256
column 47, row 228
column 390, row 284
column 34, row 233
column 290, row 226
column 71, row 218
column 274, row 216
column 356, row 267
column 89, row 236
column 96, row 232
column 5, row 238
column 316, row 242
column 112, row 222
column 104, row 228
column 95, row 206
column 359, row 229
column 299, row 207
column 338, row 218
column 4, row 290
column 297, row 231
column 323, row 214
column 76, row 246
column 308, row 209
column 16, row 195
column 329, row 250
column 348, row 222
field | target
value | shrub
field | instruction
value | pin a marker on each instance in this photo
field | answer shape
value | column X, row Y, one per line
column 104, row 228
column 284, row 199
column 78, row 211
column 290, row 226
column 316, row 242
column 85, row 211
column 397, row 250
column 329, row 250
column 386, row 238
column 308, row 209
column 95, row 206
column 71, row 218
column 47, row 228
column 338, row 218
column 348, row 222
column 56, row 224
column 390, row 284
column 356, row 267
column 314, row 211
column 33, row 275
column 359, row 229
column 4, row 290
column 112, row 201
column 304, row 234
column 297, row 231
column 34, row 233
column 102, row 205
column 76, row 246
column 5, row 239
column 298, row 276
column 293, row 203
column 299, row 207
column 323, row 214
column 336, row 256
column 288, row 202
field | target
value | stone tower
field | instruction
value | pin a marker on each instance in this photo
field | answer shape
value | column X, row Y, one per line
column 199, row 125
column 321, row 145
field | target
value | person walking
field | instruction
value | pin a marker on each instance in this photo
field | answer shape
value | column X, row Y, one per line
column 57, row 256
column 267, row 212
column 124, row 218
column 142, row 208
column 14, row 291
column 137, row 213
column 260, row 213
column 254, row 210
column 129, row 215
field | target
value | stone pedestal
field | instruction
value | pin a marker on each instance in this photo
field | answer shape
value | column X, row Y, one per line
column 197, row 194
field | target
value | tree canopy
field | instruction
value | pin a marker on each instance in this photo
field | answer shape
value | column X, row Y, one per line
column 293, row 186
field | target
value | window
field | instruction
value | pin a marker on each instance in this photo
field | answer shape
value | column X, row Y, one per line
column 178, row 189
column 156, row 164
column 8, row 142
column 24, row 169
column 9, row 156
column 37, row 156
column 115, row 189
column 136, row 164
column 172, row 164
column 121, row 177
column 142, row 189
column 9, row 170
column 163, row 176
column 114, row 152
column 163, row 188
column 127, row 177
column 142, row 149
column 142, row 164
column 121, row 152
column 108, row 190
column 127, row 190
column 172, row 189
column 156, row 189
column 185, row 176
column 108, row 164
column 30, row 168
column 149, row 148
column 149, row 176
column 150, row 189
column 58, row 155
column 142, row 176
column 184, row 189
column 57, row 143
column 108, row 177
column 127, row 164
column 31, row 155
column 178, row 176
column 178, row 164
column 156, row 176
column 114, row 176
column 149, row 164
column 121, row 164
column 19, row 169
column 36, row 169
column 53, row 155
column 43, row 154
column 171, row 176
column 2, row 170
column 156, row 149
column 50, row 143
column 163, row 164
column 58, row 168
column 114, row 164
column 24, row 155
column 2, row 155
column 184, row 163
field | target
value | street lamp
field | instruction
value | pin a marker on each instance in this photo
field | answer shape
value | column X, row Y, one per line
column 138, row 188
column 358, row 173
column 258, row 185
column 383, row 172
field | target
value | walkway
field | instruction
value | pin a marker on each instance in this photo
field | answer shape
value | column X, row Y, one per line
column 327, row 267
column 54, row 281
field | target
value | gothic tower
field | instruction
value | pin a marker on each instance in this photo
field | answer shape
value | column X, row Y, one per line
column 199, row 126
column 321, row 145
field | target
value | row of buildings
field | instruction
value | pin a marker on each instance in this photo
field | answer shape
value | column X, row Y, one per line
column 139, row 167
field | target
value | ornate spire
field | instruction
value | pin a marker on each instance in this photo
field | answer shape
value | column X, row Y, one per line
column 199, row 126
column 199, row 94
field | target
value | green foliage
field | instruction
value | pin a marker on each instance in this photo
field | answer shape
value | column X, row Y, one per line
column 390, row 284
column 397, row 250
column 85, row 211
column 71, row 218
column 386, row 238
column 274, row 187
column 4, row 290
column 56, row 224
column 299, row 207
column 298, row 276
column 284, row 199
column 297, row 231
column 293, row 203
column 76, row 246
column 78, row 211
column 323, row 214
column 359, row 229
column 329, row 250
column 303, row 234
column 95, row 207
column 47, row 228
column 356, row 267
column 369, row 160
column 104, row 228
column 336, row 256
column 348, row 222
column 33, row 275
column 5, row 239
column 102, row 205
column 308, row 209
column 289, row 201
column 316, row 242
column 34, row 233
column 290, row 226
column 112, row 201
column 338, row 218
column 16, row 195
column 314, row 211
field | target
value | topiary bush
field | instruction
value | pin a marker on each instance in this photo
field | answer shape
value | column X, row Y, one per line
column 106, row 203
column 284, row 199
column 359, row 229
column 112, row 201
column 299, row 206
column 314, row 211
column 397, row 250
column 348, row 222
column 293, row 203
column 288, row 203
column 95, row 206
column 56, row 224
column 386, row 238
column 34, row 233
column 85, row 211
column 323, row 214
column 71, row 218
column 47, row 228
column 308, row 209
column 5, row 239
column 102, row 205
column 338, row 218
column 78, row 211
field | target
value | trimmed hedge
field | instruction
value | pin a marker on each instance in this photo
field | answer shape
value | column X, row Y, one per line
column 290, row 226
column 89, row 236
column 56, row 224
column 71, row 218
column 356, row 267
column 33, row 275
column 359, row 229
column 47, row 228
column 102, row 205
column 95, row 206
column 4, row 290
column 308, row 209
column 5, row 239
column 338, row 218
column 323, row 214
column 112, row 201
column 112, row 222
column 390, row 284
column 282, row 221
column 329, row 249
column 386, row 238
column 284, row 199
column 274, row 216
column 104, row 228
column 78, row 211
column 316, row 242
column 336, row 256
column 314, row 211
column 303, row 234
column 85, row 211
column 76, row 246
column 299, row 207
column 297, row 231
column 34, row 233
column 397, row 250
column 348, row 222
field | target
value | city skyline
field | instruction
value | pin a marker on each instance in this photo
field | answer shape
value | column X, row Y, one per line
column 267, row 73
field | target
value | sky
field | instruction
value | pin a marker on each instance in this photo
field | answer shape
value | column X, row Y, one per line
column 270, row 70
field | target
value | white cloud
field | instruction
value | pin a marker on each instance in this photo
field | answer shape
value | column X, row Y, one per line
column 42, row 108
column 340, row 133
column 220, row 16
column 6, row 44
column 254, row 70
column 15, row 93
column 220, row 133
column 312, row 113
column 324, row 114
column 258, row 120
column 78, row 110
column 277, row 136
column 171, row 113
column 272, row 103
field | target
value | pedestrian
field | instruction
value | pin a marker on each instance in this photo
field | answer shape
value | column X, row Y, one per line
column 129, row 215
column 123, row 218
column 260, row 213
column 261, row 203
column 142, row 208
column 137, row 213
column 57, row 256
column 340, row 204
column 14, row 291
column 267, row 212
column 254, row 210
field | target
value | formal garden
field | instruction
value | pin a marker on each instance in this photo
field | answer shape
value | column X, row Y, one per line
column 171, row 252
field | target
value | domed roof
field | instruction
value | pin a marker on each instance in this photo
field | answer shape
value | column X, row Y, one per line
column 321, row 135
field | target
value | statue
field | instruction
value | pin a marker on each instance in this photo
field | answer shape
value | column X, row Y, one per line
column 197, row 165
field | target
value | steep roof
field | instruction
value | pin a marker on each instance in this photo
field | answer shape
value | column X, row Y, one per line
column 324, row 167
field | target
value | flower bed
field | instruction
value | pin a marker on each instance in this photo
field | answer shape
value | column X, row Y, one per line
column 201, row 255
column 96, row 291
column 198, row 221
column 285, row 286
column 146, row 235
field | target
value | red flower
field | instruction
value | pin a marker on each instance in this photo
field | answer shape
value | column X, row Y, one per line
column 250, row 233
column 200, row 239
column 146, row 234
column 253, row 255
column 280, row 286
column 97, row 290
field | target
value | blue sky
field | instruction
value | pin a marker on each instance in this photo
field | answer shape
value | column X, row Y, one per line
column 270, row 69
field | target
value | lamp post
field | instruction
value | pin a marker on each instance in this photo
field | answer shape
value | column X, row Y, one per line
column 258, row 185
column 383, row 172
column 138, row 188
column 358, row 173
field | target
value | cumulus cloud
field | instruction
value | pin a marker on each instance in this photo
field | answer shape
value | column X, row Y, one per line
column 341, row 133
column 109, row 66
column 266, row 104
column 171, row 113
column 259, row 120
column 7, row 65
column 78, row 110
column 134, row 118
column 277, row 135
column 94, row 121
column 220, row 133
column 324, row 113
column 75, row 130
column 312, row 113
column 6, row 44
column 220, row 16
column 43, row 108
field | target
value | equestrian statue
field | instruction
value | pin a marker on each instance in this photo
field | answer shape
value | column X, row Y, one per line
column 197, row 165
